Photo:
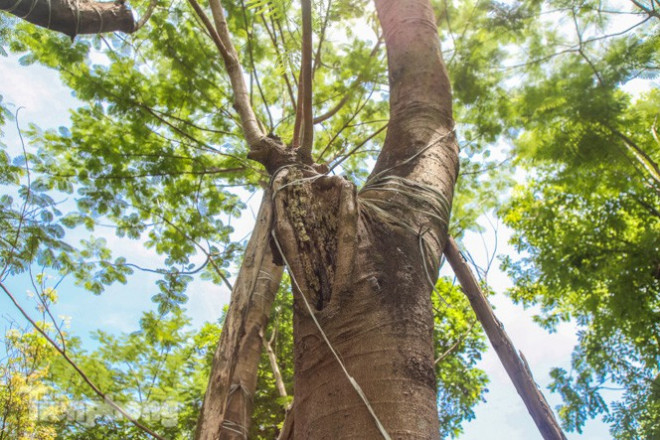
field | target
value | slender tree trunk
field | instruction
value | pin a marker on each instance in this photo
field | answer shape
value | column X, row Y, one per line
column 227, row 407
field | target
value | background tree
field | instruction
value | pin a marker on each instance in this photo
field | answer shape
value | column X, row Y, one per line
column 586, row 221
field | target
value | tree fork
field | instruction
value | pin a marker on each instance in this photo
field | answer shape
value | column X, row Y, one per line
column 515, row 365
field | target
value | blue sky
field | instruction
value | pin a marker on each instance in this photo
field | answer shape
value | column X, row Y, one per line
column 502, row 417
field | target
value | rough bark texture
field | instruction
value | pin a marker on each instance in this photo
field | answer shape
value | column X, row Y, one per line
column 515, row 365
column 73, row 17
column 227, row 407
column 360, row 261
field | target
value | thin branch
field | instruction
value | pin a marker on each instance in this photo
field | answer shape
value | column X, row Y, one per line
column 28, row 194
column 193, row 125
column 346, row 125
column 324, row 27
column 198, row 246
column 307, row 141
column 209, row 28
column 147, row 14
column 651, row 12
column 280, row 59
column 272, row 358
column 576, row 49
column 357, row 147
column 81, row 373
column 455, row 345
column 254, row 68
column 160, row 271
column 581, row 48
column 647, row 162
column 251, row 127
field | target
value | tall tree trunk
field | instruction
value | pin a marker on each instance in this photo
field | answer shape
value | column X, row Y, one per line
column 359, row 261
column 227, row 408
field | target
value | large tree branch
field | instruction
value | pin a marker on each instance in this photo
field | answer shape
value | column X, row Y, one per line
column 414, row 176
column 73, row 17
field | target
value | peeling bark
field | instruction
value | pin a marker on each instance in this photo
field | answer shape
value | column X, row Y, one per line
column 227, row 408
column 73, row 17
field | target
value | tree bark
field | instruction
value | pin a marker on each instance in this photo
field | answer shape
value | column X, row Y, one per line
column 227, row 407
column 515, row 365
column 73, row 17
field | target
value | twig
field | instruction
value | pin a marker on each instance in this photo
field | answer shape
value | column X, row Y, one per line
column 347, row 96
column 200, row 247
column 28, row 194
column 280, row 59
column 357, row 147
column 455, row 345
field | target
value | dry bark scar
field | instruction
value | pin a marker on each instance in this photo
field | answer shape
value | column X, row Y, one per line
column 315, row 207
